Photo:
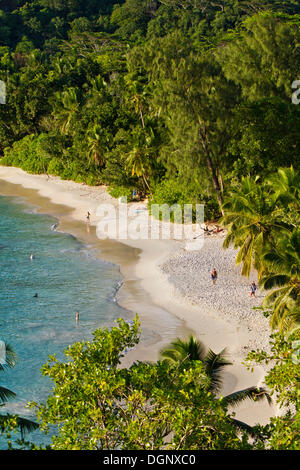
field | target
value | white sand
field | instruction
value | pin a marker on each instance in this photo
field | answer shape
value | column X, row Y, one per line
column 178, row 281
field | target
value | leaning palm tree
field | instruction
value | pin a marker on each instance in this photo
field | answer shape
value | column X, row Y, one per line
column 8, row 361
column 180, row 351
column 282, row 277
column 252, row 224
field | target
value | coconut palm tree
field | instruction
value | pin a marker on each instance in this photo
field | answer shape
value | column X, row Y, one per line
column 137, row 95
column 252, row 223
column 283, row 278
column 286, row 186
column 140, row 160
column 194, row 350
column 8, row 361
column 180, row 351
column 66, row 105
column 97, row 92
column 97, row 143
column 286, row 182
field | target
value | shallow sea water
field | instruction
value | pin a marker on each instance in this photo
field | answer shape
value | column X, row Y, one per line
column 68, row 277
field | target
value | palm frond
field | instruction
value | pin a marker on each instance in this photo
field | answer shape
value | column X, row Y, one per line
column 26, row 425
column 180, row 350
column 251, row 393
column 6, row 394
column 10, row 357
column 214, row 365
column 243, row 427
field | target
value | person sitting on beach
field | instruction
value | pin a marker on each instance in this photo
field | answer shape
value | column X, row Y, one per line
column 252, row 289
column 214, row 275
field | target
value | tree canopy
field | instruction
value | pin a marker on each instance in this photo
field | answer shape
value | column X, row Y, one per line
column 134, row 94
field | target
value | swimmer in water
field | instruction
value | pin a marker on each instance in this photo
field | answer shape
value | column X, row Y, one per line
column 32, row 256
column 36, row 295
column 77, row 317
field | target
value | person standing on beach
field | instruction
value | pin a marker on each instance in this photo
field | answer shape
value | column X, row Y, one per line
column 88, row 216
column 252, row 289
column 214, row 275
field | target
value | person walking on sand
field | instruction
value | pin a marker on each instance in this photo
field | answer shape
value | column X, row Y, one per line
column 88, row 216
column 252, row 289
column 214, row 275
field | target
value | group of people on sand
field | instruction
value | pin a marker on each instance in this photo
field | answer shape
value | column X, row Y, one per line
column 214, row 276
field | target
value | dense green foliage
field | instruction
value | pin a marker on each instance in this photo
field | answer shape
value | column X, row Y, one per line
column 283, row 381
column 147, row 406
column 10, row 423
column 136, row 94
column 183, row 101
column 262, row 219
column 169, row 404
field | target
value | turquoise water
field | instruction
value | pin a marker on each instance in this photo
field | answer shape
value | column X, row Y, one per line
column 67, row 277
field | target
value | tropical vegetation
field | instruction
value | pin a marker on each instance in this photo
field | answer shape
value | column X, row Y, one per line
column 136, row 94
column 189, row 351
column 179, row 101
column 8, row 421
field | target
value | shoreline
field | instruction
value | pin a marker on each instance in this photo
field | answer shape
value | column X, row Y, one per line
column 147, row 267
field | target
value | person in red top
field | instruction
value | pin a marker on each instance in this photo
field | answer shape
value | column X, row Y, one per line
column 214, row 275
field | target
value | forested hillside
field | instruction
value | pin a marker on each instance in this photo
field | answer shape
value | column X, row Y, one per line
column 176, row 99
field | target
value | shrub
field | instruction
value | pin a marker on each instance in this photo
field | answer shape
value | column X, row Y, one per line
column 55, row 167
column 121, row 191
column 173, row 192
column 23, row 154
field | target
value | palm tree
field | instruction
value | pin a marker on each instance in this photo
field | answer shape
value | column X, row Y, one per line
column 283, row 277
column 24, row 425
column 97, row 90
column 180, row 351
column 286, row 186
column 140, row 160
column 286, row 182
column 137, row 95
column 97, row 145
column 66, row 105
column 137, row 162
column 252, row 222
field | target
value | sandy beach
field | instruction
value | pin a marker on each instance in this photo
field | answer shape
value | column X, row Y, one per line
column 168, row 286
